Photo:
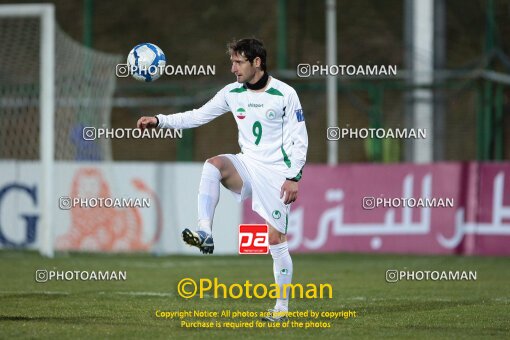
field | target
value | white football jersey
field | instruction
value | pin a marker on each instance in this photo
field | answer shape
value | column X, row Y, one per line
column 271, row 123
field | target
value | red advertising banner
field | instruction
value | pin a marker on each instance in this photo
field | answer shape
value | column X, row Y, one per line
column 253, row 239
column 442, row 208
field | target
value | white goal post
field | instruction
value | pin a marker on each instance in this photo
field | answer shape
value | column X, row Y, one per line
column 46, row 13
column 51, row 89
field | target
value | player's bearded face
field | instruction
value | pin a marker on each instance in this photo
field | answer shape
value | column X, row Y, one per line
column 242, row 68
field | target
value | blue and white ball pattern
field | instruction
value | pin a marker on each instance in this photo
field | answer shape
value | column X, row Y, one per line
column 146, row 62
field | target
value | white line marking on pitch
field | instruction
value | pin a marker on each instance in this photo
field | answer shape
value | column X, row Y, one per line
column 44, row 292
column 139, row 293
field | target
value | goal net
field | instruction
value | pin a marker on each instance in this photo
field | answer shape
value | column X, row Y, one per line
column 51, row 87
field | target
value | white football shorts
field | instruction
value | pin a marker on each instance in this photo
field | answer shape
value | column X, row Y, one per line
column 263, row 184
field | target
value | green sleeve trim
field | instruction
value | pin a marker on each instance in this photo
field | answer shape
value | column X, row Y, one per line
column 285, row 157
column 298, row 177
column 274, row 92
column 239, row 90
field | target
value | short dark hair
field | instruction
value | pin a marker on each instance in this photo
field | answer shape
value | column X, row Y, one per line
column 250, row 48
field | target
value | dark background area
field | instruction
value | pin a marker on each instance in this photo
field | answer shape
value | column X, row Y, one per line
column 369, row 32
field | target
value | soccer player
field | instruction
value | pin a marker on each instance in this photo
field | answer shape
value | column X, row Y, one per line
column 273, row 141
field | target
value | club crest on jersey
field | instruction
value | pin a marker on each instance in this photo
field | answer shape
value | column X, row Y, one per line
column 241, row 113
column 277, row 214
column 270, row 114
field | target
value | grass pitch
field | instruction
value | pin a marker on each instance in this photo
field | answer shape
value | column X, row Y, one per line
column 126, row 309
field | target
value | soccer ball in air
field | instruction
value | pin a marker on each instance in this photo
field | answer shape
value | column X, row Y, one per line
column 146, row 62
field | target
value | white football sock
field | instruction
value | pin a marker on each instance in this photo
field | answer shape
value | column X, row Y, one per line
column 208, row 196
column 282, row 268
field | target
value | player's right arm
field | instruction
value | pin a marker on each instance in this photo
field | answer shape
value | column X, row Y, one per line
column 188, row 119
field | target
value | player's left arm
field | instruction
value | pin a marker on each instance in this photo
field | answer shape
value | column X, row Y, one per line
column 299, row 136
